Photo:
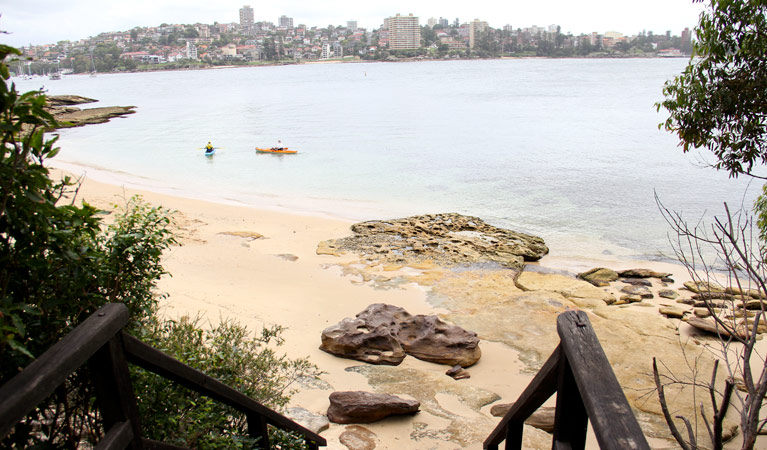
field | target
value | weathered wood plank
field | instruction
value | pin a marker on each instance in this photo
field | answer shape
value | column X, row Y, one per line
column 39, row 379
column 118, row 437
column 570, row 419
column 114, row 392
column 612, row 420
column 158, row 362
column 540, row 389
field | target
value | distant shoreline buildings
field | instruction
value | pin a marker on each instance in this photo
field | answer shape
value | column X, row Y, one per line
column 399, row 36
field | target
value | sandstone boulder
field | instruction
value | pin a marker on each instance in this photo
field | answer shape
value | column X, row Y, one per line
column 701, row 286
column 599, row 276
column 637, row 281
column 755, row 305
column 458, row 373
column 672, row 312
column 430, row 339
column 643, row 273
column 383, row 334
column 668, row 293
column 354, row 339
column 640, row 291
column 367, row 407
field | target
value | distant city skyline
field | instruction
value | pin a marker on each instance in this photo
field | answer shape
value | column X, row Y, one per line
column 39, row 22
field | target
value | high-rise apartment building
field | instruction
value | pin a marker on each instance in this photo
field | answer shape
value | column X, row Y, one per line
column 351, row 25
column 404, row 32
column 246, row 17
column 285, row 22
column 191, row 50
column 475, row 27
column 431, row 22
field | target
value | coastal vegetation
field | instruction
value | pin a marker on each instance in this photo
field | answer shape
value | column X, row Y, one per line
column 719, row 104
column 60, row 262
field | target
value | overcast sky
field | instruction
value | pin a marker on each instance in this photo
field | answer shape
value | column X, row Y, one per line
column 49, row 21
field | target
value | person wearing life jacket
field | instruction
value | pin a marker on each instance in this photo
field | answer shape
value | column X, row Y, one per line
column 209, row 147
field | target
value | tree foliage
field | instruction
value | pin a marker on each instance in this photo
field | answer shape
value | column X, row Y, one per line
column 59, row 263
column 719, row 103
column 229, row 353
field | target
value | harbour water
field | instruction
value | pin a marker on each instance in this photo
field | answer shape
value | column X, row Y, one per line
column 567, row 149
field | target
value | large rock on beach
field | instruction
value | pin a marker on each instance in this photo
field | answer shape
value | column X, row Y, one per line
column 383, row 334
column 640, row 291
column 367, row 407
column 599, row 276
column 355, row 339
column 448, row 239
column 702, row 287
column 643, row 273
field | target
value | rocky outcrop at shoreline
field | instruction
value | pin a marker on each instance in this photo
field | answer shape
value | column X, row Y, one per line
column 68, row 116
column 447, row 239
column 637, row 313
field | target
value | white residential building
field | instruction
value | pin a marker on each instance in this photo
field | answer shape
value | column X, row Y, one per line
column 191, row 51
column 404, row 32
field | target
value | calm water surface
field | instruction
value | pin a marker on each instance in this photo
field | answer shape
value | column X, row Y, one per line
column 565, row 149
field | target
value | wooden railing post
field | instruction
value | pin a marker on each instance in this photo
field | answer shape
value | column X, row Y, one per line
column 114, row 391
column 257, row 429
column 514, row 435
column 570, row 418
column 587, row 390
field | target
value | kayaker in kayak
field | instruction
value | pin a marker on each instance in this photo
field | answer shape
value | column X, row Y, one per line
column 209, row 147
column 279, row 145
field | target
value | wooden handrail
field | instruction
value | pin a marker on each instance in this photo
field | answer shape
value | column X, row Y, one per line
column 155, row 361
column 100, row 342
column 43, row 375
column 579, row 372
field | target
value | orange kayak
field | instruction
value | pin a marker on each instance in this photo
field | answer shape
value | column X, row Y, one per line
column 275, row 150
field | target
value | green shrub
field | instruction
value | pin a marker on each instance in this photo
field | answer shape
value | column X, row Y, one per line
column 227, row 352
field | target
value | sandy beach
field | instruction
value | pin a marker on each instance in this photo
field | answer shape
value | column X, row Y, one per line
column 261, row 267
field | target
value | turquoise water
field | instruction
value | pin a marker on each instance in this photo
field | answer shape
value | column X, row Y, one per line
column 565, row 149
